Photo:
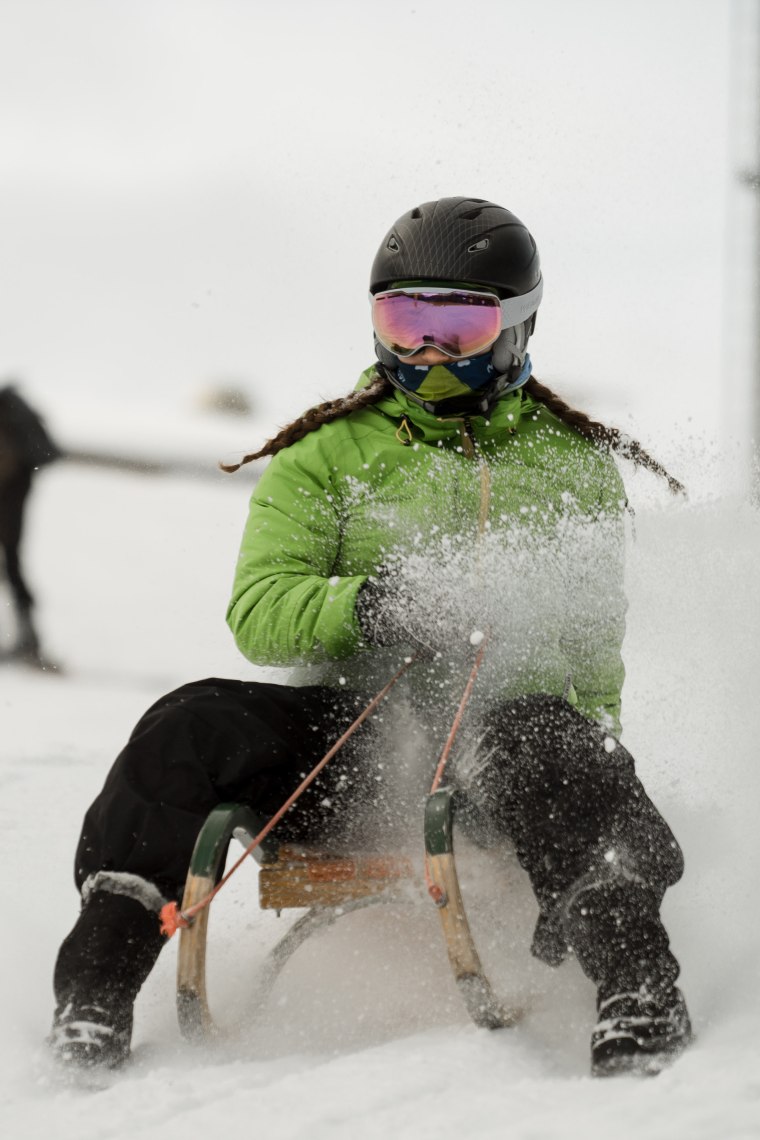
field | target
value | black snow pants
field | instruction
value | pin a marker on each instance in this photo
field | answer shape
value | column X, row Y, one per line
column 533, row 771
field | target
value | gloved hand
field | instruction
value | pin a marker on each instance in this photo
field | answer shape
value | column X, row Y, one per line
column 382, row 606
column 390, row 611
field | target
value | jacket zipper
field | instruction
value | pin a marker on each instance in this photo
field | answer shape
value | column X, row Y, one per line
column 472, row 451
column 469, row 442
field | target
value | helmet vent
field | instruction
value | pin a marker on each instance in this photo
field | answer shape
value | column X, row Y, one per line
column 416, row 213
column 477, row 246
column 471, row 215
column 393, row 245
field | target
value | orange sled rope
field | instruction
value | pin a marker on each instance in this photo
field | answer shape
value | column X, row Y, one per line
column 172, row 918
column 435, row 891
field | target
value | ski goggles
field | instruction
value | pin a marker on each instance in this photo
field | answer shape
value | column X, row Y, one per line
column 459, row 322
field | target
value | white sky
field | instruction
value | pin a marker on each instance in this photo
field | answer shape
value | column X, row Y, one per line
column 194, row 189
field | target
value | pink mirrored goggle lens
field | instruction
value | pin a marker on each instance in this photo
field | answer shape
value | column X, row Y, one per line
column 458, row 322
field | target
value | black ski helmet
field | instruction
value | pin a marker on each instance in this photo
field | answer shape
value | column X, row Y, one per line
column 469, row 241
column 459, row 239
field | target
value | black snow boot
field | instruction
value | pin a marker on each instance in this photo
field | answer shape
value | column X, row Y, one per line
column 639, row 1032
column 85, row 1036
column 100, row 968
column 612, row 922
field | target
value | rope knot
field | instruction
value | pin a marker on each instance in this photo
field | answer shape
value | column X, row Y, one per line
column 172, row 919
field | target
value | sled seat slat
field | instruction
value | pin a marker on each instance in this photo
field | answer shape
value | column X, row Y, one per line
column 307, row 877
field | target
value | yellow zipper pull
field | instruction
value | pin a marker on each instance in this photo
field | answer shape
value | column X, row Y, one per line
column 404, row 432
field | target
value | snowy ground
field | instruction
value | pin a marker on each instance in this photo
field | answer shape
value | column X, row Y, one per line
column 364, row 1035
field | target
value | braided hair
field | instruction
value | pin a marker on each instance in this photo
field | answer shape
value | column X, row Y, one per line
column 315, row 417
column 608, row 438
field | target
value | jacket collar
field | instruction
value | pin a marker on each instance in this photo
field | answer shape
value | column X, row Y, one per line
column 429, row 428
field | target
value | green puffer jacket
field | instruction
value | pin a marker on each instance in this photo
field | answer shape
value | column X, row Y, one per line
column 393, row 480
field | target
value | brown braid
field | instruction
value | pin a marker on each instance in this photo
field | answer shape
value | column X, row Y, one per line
column 607, row 437
column 315, row 417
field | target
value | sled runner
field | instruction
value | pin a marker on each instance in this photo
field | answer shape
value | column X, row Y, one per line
column 328, row 885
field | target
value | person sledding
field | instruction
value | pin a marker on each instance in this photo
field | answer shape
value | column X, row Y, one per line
column 448, row 489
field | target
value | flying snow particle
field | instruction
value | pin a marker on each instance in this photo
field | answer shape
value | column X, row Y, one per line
column 476, row 637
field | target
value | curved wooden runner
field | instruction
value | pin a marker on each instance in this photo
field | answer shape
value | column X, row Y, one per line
column 328, row 885
column 483, row 1006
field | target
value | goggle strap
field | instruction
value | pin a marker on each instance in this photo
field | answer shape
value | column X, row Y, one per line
column 515, row 310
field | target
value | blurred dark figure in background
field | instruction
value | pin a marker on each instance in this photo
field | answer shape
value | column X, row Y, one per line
column 24, row 447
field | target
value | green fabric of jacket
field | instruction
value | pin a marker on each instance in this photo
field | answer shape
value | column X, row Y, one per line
column 329, row 509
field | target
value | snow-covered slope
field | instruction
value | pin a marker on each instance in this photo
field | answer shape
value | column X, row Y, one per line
column 364, row 1035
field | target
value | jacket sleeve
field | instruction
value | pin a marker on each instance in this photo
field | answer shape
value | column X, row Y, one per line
column 593, row 635
column 287, row 606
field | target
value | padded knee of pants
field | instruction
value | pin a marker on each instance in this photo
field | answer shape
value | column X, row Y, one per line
column 539, row 745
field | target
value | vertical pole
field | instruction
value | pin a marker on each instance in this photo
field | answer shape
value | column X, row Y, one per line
column 755, row 185
column 742, row 289
column 745, row 67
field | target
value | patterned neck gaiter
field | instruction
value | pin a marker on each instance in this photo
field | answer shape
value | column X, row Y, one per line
column 444, row 381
